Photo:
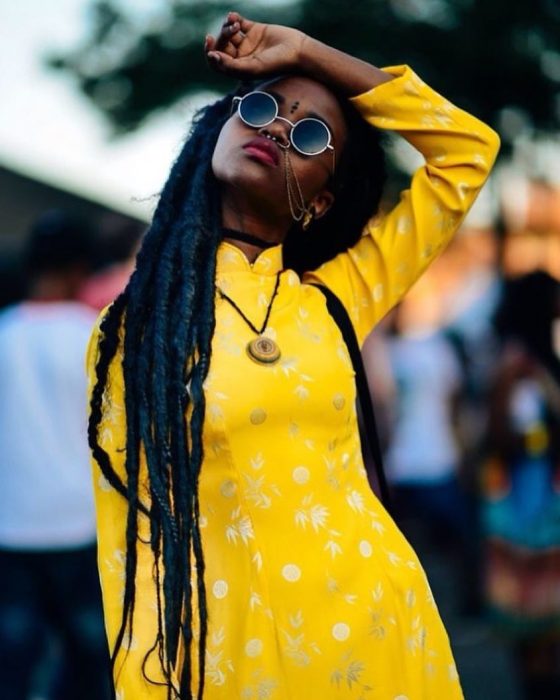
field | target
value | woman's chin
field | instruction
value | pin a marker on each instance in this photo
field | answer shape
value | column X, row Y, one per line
column 253, row 186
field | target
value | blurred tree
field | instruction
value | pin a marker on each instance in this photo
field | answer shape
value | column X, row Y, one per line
column 497, row 58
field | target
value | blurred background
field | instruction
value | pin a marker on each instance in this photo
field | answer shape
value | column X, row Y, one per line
column 96, row 101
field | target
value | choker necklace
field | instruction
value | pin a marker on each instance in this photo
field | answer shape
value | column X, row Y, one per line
column 262, row 350
column 246, row 238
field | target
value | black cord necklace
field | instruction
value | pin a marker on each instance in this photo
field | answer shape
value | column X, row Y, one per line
column 236, row 235
column 262, row 350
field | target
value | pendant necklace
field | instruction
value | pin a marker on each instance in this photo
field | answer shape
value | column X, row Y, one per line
column 262, row 350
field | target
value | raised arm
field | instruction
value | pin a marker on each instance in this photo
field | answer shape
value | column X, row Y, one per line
column 459, row 151
column 395, row 249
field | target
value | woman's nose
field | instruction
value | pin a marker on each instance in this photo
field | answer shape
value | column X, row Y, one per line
column 278, row 131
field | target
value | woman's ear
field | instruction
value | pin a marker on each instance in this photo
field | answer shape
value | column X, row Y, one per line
column 321, row 203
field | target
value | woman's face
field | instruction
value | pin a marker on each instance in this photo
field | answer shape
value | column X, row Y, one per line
column 258, row 175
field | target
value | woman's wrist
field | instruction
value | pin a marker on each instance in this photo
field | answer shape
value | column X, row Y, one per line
column 343, row 73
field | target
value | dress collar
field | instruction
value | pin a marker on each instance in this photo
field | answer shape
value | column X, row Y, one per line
column 232, row 259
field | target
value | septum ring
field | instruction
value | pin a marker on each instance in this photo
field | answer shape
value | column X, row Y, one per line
column 285, row 145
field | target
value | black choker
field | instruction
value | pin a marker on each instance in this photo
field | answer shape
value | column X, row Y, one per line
column 247, row 238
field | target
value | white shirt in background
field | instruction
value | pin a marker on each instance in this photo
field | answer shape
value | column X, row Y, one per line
column 427, row 374
column 46, row 499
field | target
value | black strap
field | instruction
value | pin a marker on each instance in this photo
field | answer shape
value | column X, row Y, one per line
column 369, row 433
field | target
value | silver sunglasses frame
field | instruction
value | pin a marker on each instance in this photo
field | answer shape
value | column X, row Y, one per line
column 238, row 100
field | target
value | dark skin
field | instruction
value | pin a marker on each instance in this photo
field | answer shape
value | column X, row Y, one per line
column 255, row 197
column 254, row 191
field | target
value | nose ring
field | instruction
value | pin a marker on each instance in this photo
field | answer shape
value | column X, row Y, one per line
column 272, row 137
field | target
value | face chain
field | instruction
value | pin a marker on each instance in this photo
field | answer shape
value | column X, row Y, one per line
column 295, row 195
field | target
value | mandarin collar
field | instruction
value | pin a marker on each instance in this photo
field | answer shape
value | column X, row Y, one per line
column 232, row 259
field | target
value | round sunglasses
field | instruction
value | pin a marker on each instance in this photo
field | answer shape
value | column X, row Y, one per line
column 309, row 136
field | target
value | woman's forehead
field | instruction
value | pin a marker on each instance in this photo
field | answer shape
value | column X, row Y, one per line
column 309, row 96
column 300, row 88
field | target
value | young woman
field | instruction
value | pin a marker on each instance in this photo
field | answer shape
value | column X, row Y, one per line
column 242, row 554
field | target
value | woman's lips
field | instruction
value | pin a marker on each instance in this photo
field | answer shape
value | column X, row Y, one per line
column 263, row 149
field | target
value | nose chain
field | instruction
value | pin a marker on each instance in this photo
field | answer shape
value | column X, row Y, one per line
column 295, row 196
column 262, row 350
column 296, row 200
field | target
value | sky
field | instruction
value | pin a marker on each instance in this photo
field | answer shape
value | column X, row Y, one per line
column 49, row 131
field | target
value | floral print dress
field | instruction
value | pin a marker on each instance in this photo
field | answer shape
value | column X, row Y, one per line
column 313, row 592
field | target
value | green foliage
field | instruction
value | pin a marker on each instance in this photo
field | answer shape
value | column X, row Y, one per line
column 485, row 55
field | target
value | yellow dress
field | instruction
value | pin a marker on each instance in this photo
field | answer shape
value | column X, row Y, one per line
column 313, row 592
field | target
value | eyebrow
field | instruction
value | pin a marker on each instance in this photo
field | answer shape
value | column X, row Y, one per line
column 282, row 100
column 279, row 98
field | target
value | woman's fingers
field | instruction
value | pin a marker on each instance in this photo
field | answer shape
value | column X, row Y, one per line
column 230, row 38
column 236, row 27
column 226, row 53
column 237, row 37
column 244, row 23
column 228, row 30
column 226, row 42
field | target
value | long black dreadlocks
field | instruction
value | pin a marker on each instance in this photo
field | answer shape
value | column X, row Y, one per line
column 164, row 322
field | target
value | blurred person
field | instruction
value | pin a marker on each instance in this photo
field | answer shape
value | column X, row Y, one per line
column 521, row 483
column 258, row 562
column 49, row 587
column 424, row 455
column 469, row 326
column 116, row 246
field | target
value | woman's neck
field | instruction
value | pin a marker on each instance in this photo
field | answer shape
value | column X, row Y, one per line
column 251, row 252
column 269, row 231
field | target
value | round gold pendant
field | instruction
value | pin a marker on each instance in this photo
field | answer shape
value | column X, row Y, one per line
column 263, row 350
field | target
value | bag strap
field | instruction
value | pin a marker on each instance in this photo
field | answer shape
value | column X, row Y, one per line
column 370, row 433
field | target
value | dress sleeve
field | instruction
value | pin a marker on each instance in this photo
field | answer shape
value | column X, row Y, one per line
column 111, row 509
column 395, row 249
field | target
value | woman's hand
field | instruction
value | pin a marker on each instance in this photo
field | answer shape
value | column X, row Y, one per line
column 246, row 49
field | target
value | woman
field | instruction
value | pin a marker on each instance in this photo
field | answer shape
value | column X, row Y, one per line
column 248, row 558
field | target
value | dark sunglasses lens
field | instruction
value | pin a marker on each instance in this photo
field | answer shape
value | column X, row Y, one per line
column 257, row 109
column 310, row 136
